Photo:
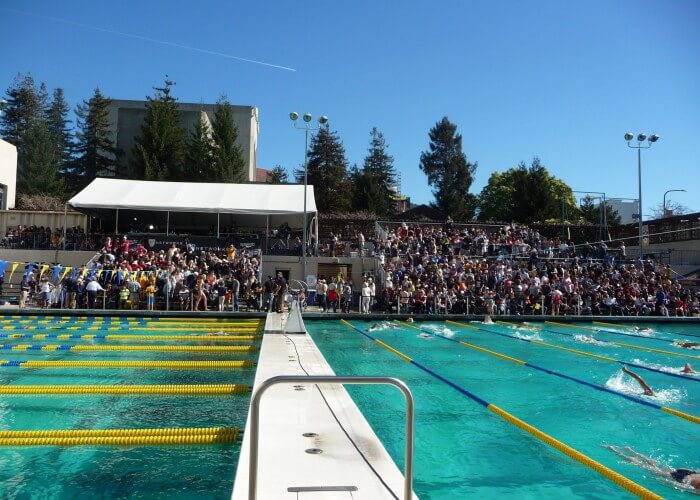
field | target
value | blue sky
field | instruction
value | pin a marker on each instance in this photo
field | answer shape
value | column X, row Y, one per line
column 561, row 80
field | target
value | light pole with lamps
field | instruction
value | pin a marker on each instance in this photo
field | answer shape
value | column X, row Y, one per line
column 671, row 191
column 306, row 127
column 640, row 139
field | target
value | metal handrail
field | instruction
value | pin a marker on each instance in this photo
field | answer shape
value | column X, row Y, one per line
column 327, row 379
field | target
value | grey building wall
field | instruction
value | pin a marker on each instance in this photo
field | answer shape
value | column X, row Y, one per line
column 8, row 175
column 126, row 117
column 626, row 209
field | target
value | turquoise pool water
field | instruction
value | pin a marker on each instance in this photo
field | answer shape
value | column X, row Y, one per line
column 179, row 471
column 465, row 451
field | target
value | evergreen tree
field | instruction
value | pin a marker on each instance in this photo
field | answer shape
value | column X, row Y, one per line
column 200, row 152
column 590, row 212
column 525, row 194
column 95, row 150
column 327, row 172
column 23, row 109
column 37, row 163
column 160, row 152
column 228, row 156
column 449, row 172
column 61, row 136
column 278, row 175
column 372, row 186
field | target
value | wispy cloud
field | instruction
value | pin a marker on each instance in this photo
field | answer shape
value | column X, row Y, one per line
column 151, row 40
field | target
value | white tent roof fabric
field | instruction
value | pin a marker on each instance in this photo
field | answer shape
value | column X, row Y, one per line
column 250, row 199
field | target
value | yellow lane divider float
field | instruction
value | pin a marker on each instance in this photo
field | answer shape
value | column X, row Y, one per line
column 635, row 399
column 610, row 474
column 193, row 338
column 620, row 344
column 127, row 364
column 185, row 390
column 205, row 435
column 147, row 328
column 196, row 348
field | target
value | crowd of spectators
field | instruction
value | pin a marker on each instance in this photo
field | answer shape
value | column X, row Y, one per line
column 128, row 276
column 515, row 270
column 43, row 238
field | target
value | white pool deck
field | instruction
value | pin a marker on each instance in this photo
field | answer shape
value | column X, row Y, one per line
column 286, row 413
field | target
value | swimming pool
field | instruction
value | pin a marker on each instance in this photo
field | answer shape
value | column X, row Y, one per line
column 171, row 471
column 463, row 450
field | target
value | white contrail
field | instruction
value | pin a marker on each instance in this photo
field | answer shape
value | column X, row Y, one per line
column 152, row 40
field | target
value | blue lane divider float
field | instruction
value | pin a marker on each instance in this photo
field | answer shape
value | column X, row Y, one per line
column 648, row 368
column 598, row 387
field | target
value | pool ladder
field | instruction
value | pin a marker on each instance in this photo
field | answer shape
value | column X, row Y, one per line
column 328, row 379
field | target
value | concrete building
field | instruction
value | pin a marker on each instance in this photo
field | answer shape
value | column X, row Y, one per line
column 627, row 209
column 8, row 175
column 126, row 117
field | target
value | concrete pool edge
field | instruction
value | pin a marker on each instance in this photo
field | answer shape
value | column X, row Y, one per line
column 287, row 413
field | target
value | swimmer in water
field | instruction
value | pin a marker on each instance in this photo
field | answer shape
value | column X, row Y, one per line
column 686, row 477
column 409, row 320
column 643, row 330
column 588, row 340
column 648, row 391
column 488, row 320
column 687, row 345
column 424, row 335
column 688, row 369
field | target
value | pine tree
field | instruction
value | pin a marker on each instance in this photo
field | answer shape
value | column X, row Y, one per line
column 200, row 152
column 37, row 165
column 449, row 171
column 228, row 156
column 327, row 172
column 95, row 150
column 372, row 186
column 159, row 153
column 61, row 136
column 277, row 175
column 23, row 109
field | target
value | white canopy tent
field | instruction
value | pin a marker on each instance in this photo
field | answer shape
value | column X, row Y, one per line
column 251, row 205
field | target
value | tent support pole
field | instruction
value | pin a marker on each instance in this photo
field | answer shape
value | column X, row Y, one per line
column 267, row 233
column 167, row 224
column 65, row 223
column 218, row 225
column 316, row 242
column 116, row 224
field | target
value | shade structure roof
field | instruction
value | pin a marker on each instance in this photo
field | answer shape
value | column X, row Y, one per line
column 254, row 199
column 250, row 205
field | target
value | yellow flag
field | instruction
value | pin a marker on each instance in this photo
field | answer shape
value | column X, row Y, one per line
column 65, row 271
column 43, row 270
column 85, row 271
column 14, row 266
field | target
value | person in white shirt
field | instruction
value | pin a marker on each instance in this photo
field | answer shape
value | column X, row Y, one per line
column 364, row 302
column 92, row 288
column 45, row 287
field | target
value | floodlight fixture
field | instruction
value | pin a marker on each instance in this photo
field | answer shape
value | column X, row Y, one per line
column 293, row 116
column 641, row 137
column 307, row 117
column 629, row 136
column 653, row 138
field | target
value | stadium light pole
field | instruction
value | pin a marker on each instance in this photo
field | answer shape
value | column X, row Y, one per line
column 306, row 126
column 671, row 191
column 640, row 145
